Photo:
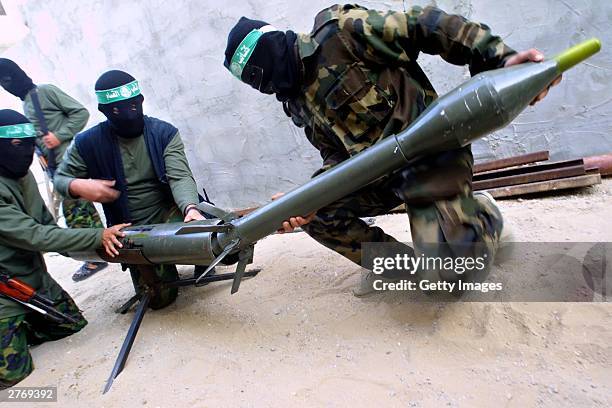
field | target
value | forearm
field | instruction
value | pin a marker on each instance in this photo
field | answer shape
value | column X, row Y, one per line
column 184, row 193
column 62, row 185
column 77, row 119
column 72, row 167
column 56, row 239
column 76, row 114
column 22, row 231
column 459, row 41
column 178, row 173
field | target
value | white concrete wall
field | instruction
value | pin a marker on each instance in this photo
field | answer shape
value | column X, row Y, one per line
column 240, row 144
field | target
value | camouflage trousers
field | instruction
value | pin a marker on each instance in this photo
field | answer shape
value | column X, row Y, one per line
column 18, row 333
column 80, row 214
column 143, row 275
column 441, row 209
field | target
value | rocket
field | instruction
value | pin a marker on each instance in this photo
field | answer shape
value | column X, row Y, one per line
column 487, row 102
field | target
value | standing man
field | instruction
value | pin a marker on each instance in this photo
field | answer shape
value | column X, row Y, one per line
column 57, row 117
column 27, row 230
column 353, row 81
column 135, row 165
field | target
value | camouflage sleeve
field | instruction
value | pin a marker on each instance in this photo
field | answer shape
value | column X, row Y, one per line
column 331, row 153
column 392, row 36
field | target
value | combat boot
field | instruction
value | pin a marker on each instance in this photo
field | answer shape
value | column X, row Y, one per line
column 506, row 237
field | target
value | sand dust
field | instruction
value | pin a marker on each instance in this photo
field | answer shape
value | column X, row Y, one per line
column 295, row 335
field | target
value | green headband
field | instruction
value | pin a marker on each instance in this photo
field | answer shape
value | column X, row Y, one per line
column 246, row 48
column 20, row 131
column 119, row 93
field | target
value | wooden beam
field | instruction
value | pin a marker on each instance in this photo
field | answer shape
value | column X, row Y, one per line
column 531, row 177
column 528, row 169
column 544, row 186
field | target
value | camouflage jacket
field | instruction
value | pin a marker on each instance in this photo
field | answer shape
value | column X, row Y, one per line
column 361, row 81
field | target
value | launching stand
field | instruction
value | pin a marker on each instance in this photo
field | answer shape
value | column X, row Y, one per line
column 143, row 298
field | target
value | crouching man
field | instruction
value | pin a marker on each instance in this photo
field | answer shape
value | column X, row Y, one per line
column 28, row 230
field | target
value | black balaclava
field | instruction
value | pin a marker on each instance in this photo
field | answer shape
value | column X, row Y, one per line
column 13, row 79
column 272, row 67
column 16, row 154
column 127, row 120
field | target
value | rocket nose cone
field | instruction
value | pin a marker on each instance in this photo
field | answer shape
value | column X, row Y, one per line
column 578, row 53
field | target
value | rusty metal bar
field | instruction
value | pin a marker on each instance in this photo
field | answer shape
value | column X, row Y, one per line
column 544, row 186
column 603, row 163
column 544, row 175
column 511, row 161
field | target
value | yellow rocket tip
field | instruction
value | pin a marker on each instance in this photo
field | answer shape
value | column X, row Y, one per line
column 577, row 54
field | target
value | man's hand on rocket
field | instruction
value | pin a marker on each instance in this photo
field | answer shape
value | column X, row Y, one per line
column 110, row 240
column 532, row 55
column 293, row 222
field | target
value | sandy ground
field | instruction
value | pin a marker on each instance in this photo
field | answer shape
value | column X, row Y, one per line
column 295, row 335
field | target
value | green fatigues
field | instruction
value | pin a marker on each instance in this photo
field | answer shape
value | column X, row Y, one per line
column 361, row 84
column 27, row 229
column 149, row 201
column 65, row 117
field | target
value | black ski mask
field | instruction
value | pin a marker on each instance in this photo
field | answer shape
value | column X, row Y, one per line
column 13, row 79
column 17, row 153
column 125, row 116
column 272, row 67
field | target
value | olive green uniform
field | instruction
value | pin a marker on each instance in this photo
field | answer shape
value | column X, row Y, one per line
column 149, row 201
column 65, row 117
column 27, row 229
column 361, row 84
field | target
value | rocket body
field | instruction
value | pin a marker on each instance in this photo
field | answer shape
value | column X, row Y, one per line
column 485, row 103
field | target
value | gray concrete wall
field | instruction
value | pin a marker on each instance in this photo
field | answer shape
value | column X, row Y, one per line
column 240, row 145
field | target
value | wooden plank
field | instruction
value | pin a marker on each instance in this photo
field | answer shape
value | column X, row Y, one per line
column 527, row 169
column 543, row 186
column 511, row 161
column 543, row 175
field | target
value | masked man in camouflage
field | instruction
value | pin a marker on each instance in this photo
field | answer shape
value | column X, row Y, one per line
column 28, row 229
column 64, row 117
column 135, row 165
column 353, row 81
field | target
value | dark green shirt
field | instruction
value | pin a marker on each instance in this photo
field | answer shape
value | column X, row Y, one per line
column 27, row 229
column 148, row 199
column 64, row 115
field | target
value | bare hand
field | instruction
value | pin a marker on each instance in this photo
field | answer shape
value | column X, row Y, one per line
column 100, row 191
column 193, row 214
column 51, row 141
column 293, row 222
column 110, row 241
column 532, row 55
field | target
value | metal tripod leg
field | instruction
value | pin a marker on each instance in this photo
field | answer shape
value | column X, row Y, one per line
column 129, row 340
column 208, row 279
column 144, row 298
column 127, row 305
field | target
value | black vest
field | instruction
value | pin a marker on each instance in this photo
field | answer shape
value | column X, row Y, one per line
column 99, row 149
